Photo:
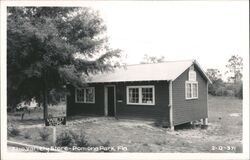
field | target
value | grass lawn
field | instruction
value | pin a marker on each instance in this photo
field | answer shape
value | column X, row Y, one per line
column 224, row 133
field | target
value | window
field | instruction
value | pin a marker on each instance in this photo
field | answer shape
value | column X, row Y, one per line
column 80, row 95
column 133, row 95
column 147, row 95
column 90, row 95
column 140, row 95
column 85, row 95
column 191, row 89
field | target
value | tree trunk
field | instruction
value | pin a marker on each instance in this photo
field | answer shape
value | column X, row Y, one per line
column 45, row 104
column 45, row 97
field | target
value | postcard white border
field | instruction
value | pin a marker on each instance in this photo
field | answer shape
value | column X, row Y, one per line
column 144, row 156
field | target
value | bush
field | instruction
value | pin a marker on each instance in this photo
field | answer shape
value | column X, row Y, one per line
column 229, row 92
column 44, row 134
column 239, row 93
column 13, row 130
column 81, row 140
column 220, row 91
column 27, row 135
column 66, row 138
column 70, row 138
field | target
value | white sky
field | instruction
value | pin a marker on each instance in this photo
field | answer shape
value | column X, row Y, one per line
column 209, row 32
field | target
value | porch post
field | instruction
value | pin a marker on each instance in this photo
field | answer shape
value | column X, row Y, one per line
column 171, row 105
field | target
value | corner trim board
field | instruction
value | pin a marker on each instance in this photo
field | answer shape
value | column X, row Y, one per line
column 171, row 105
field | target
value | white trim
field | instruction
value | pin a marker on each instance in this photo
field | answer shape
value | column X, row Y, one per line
column 192, row 92
column 171, row 105
column 199, row 66
column 140, row 95
column 84, row 98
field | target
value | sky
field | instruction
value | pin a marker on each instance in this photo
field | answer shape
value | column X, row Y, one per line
column 208, row 31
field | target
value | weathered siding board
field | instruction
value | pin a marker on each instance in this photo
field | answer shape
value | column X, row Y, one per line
column 158, row 112
column 189, row 110
column 96, row 108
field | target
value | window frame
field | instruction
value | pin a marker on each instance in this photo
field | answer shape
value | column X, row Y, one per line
column 84, row 98
column 192, row 90
column 140, row 95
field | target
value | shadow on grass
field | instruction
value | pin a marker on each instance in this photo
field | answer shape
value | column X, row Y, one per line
column 31, row 121
column 80, row 117
column 190, row 126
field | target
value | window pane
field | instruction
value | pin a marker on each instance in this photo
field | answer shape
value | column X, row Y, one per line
column 80, row 95
column 195, row 88
column 147, row 95
column 188, row 90
column 133, row 95
column 90, row 94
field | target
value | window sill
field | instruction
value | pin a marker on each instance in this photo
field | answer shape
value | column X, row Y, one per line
column 86, row 102
column 191, row 98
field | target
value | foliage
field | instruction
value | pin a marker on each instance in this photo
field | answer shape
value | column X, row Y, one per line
column 152, row 59
column 239, row 90
column 221, row 88
column 13, row 130
column 235, row 66
column 217, row 83
column 70, row 138
column 213, row 74
column 66, row 138
column 27, row 135
column 44, row 133
column 49, row 47
column 81, row 140
column 105, row 146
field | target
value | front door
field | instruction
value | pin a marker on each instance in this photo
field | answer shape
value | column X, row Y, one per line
column 110, row 101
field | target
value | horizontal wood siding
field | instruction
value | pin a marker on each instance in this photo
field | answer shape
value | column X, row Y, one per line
column 96, row 108
column 189, row 110
column 158, row 112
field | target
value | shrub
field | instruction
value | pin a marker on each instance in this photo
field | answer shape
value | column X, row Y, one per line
column 13, row 130
column 81, row 140
column 105, row 145
column 70, row 138
column 66, row 138
column 220, row 91
column 239, row 91
column 44, row 134
column 27, row 135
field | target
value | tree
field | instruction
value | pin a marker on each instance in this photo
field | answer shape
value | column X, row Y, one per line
column 49, row 47
column 217, row 83
column 235, row 66
column 213, row 74
column 152, row 59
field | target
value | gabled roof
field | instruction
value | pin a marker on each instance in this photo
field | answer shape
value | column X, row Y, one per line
column 146, row 72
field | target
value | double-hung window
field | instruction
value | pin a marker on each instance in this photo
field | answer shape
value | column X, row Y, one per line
column 141, row 95
column 191, row 89
column 85, row 95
